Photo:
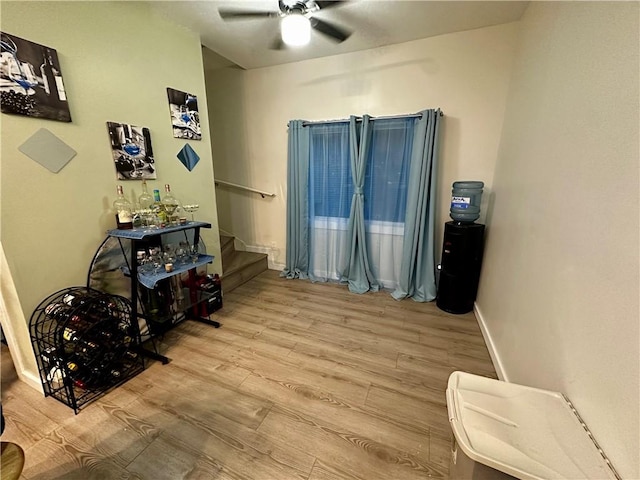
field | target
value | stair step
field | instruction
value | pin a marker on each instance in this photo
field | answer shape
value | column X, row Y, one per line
column 226, row 245
column 242, row 267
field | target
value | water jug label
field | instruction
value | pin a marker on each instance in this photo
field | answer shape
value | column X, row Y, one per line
column 460, row 202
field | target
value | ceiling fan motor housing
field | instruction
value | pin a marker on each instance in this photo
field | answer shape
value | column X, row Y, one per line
column 297, row 6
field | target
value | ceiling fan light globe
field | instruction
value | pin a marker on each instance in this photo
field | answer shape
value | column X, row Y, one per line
column 295, row 29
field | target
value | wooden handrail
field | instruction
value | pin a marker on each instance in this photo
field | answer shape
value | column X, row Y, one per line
column 242, row 187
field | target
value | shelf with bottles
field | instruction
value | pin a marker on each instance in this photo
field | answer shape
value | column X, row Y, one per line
column 173, row 300
column 85, row 344
column 151, row 211
column 143, row 233
column 150, row 279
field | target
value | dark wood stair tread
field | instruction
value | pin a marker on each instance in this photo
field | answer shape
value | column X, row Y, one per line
column 239, row 266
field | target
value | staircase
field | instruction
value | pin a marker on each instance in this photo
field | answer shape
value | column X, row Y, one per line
column 239, row 266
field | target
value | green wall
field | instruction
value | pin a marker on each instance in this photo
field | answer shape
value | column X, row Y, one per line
column 117, row 59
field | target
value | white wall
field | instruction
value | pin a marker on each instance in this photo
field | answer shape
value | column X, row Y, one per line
column 466, row 74
column 559, row 288
column 117, row 59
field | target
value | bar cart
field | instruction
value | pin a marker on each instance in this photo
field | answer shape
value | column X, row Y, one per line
column 166, row 297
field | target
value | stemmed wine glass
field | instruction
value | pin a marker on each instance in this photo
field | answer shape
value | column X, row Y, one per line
column 191, row 207
column 156, row 260
column 182, row 253
column 170, row 208
column 194, row 252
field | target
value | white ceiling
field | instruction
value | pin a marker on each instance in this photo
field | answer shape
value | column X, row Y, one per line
column 374, row 23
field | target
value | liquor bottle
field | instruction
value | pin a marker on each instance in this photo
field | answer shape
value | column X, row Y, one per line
column 124, row 211
column 145, row 199
column 170, row 203
column 158, row 207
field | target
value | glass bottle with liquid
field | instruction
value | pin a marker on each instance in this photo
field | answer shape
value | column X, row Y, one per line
column 158, row 208
column 170, row 203
column 123, row 210
column 144, row 213
column 145, row 199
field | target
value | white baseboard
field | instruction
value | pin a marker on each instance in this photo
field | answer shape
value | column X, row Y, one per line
column 271, row 262
column 493, row 353
column 31, row 379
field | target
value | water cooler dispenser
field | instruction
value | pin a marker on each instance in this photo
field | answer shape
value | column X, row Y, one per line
column 462, row 249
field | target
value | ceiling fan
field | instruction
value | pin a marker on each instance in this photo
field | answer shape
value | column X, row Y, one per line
column 297, row 18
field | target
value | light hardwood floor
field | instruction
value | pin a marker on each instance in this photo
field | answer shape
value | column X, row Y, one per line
column 302, row 381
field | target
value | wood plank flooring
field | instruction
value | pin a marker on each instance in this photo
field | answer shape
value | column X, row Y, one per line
column 302, row 381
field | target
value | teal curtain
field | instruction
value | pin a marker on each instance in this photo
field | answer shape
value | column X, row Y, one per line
column 297, row 261
column 417, row 271
column 357, row 271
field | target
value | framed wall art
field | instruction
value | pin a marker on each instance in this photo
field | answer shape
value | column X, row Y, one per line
column 131, row 151
column 31, row 80
column 184, row 115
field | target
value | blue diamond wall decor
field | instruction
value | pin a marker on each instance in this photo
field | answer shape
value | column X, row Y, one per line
column 188, row 157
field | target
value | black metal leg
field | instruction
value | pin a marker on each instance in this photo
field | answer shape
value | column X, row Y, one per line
column 207, row 321
column 152, row 355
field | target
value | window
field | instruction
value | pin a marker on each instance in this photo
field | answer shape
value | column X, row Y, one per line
column 330, row 184
column 385, row 187
column 385, row 196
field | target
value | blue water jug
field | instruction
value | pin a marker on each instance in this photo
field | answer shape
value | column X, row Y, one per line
column 465, row 201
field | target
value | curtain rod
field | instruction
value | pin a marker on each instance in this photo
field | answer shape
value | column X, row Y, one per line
column 359, row 119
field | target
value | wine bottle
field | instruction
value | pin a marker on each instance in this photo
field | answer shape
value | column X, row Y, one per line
column 50, row 357
column 124, row 211
column 102, row 308
column 145, row 199
column 71, row 334
column 124, row 325
column 57, row 311
column 47, row 75
column 89, row 349
column 130, row 356
column 75, row 299
column 72, row 366
column 82, row 377
column 170, row 203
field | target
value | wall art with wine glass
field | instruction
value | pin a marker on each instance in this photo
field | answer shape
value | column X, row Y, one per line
column 184, row 114
column 31, row 80
column 132, row 151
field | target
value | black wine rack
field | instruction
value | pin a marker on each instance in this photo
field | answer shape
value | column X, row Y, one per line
column 85, row 344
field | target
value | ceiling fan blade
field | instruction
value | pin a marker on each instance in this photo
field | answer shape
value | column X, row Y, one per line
column 334, row 32
column 244, row 14
column 330, row 3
